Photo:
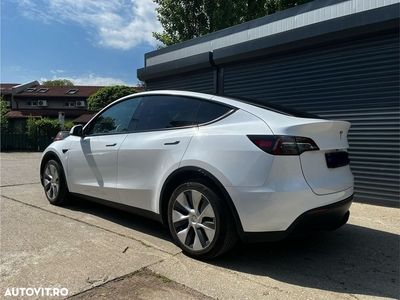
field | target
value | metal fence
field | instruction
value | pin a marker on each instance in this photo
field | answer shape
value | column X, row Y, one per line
column 21, row 141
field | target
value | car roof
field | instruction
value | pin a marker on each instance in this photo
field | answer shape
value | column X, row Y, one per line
column 249, row 104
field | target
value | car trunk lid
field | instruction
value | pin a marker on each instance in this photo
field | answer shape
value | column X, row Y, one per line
column 326, row 170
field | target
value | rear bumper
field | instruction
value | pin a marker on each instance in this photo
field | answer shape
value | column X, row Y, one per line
column 328, row 217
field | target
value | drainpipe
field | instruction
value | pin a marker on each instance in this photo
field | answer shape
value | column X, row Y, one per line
column 12, row 99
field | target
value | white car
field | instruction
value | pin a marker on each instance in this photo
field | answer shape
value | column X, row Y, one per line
column 211, row 168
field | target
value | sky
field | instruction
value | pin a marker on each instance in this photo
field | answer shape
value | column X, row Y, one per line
column 90, row 42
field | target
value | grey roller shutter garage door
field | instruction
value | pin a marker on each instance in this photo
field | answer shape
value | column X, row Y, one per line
column 357, row 81
column 194, row 81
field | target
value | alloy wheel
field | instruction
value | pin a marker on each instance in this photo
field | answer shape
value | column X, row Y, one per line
column 193, row 220
column 51, row 182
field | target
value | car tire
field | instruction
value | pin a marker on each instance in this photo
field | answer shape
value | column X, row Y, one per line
column 54, row 184
column 200, row 220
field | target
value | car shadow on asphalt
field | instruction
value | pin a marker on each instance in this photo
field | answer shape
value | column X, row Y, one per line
column 350, row 260
column 123, row 218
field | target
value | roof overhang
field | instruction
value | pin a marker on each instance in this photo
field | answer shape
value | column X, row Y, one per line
column 296, row 28
column 187, row 64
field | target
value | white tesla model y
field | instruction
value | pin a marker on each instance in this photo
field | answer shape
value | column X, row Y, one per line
column 211, row 168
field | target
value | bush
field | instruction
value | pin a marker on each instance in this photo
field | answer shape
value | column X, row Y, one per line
column 68, row 125
column 43, row 126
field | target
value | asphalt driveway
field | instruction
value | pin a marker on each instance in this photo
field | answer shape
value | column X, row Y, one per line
column 96, row 252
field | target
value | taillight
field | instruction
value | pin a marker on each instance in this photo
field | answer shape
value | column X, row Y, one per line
column 283, row 145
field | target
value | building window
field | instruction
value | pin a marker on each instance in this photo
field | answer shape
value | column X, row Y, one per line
column 72, row 91
column 31, row 103
column 43, row 90
column 29, row 90
column 69, row 104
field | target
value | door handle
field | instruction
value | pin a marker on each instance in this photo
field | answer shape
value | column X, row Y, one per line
column 174, row 143
column 111, row 145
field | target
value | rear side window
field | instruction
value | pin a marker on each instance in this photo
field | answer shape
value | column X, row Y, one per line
column 162, row 112
column 275, row 107
column 210, row 111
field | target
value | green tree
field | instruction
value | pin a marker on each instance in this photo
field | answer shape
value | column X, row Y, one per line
column 108, row 94
column 3, row 114
column 58, row 82
column 187, row 19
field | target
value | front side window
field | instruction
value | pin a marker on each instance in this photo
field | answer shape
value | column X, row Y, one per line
column 161, row 112
column 115, row 119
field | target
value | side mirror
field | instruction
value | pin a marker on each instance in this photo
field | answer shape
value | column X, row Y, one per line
column 77, row 130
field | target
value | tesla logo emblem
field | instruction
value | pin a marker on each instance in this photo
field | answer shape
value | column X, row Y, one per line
column 340, row 134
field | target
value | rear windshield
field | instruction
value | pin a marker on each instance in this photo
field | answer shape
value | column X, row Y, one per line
column 279, row 108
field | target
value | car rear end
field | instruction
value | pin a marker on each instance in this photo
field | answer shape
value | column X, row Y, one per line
column 309, row 185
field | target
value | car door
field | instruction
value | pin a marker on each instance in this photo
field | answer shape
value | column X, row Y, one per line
column 93, row 159
column 149, row 155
